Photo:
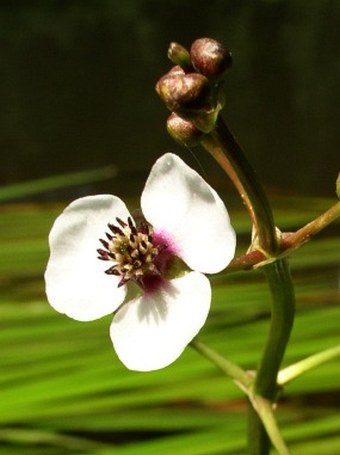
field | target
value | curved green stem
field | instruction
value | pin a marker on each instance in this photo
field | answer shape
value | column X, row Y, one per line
column 222, row 145
column 230, row 369
column 282, row 318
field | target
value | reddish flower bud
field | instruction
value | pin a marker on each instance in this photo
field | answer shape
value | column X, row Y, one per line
column 183, row 91
column 175, row 71
column 209, row 57
column 183, row 131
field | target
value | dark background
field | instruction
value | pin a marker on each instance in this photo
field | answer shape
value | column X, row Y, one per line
column 77, row 87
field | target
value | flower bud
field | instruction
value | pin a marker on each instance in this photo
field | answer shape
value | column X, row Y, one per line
column 210, row 58
column 179, row 55
column 183, row 91
column 175, row 71
column 183, row 131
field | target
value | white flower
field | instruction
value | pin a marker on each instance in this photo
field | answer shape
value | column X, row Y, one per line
column 184, row 223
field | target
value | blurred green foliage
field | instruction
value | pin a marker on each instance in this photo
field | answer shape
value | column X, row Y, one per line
column 63, row 391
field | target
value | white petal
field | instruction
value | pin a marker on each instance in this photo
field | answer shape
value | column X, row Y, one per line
column 187, row 212
column 76, row 284
column 150, row 332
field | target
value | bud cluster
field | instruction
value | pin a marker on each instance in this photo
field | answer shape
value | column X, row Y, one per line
column 192, row 88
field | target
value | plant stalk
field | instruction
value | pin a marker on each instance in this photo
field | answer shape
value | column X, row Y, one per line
column 221, row 144
column 282, row 318
column 303, row 235
column 303, row 366
column 241, row 377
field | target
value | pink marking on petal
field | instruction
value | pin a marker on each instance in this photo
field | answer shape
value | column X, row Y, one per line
column 153, row 283
column 162, row 238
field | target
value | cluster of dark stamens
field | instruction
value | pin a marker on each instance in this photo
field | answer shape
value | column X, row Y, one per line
column 132, row 250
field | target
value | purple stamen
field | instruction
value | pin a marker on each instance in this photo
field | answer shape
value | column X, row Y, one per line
column 104, row 255
column 121, row 222
column 112, row 271
column 109, row 236
column 132, row 227
column 104, row 243
column 115, row 229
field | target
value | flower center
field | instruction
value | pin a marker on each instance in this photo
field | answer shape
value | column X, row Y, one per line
column 133, row 250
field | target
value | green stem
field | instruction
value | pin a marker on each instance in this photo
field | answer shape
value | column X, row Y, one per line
column 264, row 409
column 222, row 145
column 230, row 369
column 258, row 441
column 282, row 318
column 297, row 369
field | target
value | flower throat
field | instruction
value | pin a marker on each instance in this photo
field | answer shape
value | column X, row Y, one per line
column 136, row 254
